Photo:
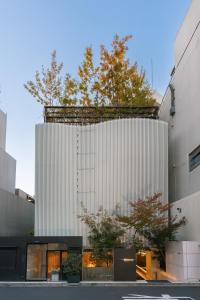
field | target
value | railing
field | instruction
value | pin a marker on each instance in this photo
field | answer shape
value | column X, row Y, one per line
column 142, row 272
column 83, row 115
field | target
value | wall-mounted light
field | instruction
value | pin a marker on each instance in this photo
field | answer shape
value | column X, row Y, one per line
column 128, row 259
column 179, row 209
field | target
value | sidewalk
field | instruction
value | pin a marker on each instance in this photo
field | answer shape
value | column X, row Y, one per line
column 95, row 283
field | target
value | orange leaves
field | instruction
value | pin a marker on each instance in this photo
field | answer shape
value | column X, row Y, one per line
column 120, row 83
column 112, row 81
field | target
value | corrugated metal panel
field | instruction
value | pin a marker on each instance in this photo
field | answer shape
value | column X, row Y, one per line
column 99, row 165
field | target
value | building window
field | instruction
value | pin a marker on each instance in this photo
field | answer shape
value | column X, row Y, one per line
column 43, row 259
column 194, row 158
column 36, row 262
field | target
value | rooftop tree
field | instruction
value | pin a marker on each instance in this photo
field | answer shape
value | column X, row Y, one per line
column 113, row 81
column 49, row 88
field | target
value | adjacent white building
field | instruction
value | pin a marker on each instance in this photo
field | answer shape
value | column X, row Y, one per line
column 181, row 109
column 7, row 162
column 184, row 123
column 104, row 164
column 16, row 213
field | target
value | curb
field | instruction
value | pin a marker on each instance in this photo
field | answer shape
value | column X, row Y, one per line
column 97, row 284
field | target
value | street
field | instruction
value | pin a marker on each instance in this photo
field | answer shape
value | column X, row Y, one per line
column 100, row 293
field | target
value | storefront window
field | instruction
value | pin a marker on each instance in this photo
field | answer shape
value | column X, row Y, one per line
column 36, row 262
column 45, row 259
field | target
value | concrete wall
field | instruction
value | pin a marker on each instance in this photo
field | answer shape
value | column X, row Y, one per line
column 7, row 172
column 99, row 165
column 190, row 208
column 2, row 130
column 7, row 163
column 16, row 215
column 187, row 30
column 184, row 134
column 183, row 260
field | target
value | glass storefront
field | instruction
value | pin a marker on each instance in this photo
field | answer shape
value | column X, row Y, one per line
column 36, row 262
column 45, row 259
column 54, row 262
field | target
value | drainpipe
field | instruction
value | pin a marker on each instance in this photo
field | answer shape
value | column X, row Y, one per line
column 172, row 108
column 172, row 113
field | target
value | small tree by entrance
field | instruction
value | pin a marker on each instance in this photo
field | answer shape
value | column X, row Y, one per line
column 152, row 225
column 105, row 233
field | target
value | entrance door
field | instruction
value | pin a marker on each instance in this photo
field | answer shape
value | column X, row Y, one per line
column 124, row 264
column 54, row 261
column 36, row 262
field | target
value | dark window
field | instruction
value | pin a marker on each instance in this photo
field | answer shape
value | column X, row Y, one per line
column 194, row 158
column 8, row 259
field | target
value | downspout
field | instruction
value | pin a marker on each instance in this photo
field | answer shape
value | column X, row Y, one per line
column 172, row 108
column 172, row 113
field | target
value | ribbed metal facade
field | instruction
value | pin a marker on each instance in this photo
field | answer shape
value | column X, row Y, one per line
column 105, row 165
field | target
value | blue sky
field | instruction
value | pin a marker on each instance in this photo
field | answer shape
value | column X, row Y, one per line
column 31, row 29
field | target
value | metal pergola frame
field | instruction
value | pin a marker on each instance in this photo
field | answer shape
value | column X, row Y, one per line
column 84, row 115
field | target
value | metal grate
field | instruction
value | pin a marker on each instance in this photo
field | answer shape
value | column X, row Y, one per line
column 83, row 115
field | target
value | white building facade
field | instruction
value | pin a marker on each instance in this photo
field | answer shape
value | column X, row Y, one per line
column 181, row 109
column 7, row 163
column 184, row 135
column 16, row 214
column 98, row 165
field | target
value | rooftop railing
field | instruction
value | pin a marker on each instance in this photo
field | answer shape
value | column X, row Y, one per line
column 83, row 115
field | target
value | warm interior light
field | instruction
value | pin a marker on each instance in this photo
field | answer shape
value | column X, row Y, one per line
column 87, row 262
column 128, row 259
column 91, row 265
column 142, row 253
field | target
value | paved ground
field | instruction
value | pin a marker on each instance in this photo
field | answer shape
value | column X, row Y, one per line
column 100, row 293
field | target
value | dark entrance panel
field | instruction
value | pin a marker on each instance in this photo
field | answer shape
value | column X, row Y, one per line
column 124, row 264
column 8, row 263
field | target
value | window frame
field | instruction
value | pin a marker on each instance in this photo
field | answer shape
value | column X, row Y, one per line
column 192, row 156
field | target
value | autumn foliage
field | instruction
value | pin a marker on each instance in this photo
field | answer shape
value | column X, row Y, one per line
column 148, row 226
column 113, row 81
column 104, row 234
column 152, row 224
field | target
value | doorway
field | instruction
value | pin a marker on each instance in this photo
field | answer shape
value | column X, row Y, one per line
column 55, row 260
column 36, row 262
column 44, row 260
column 124, row 264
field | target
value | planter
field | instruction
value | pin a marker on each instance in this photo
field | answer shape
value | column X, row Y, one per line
column 63, row 276
column 71, row 267
column 98, row 274
column 55, row 277
column 73, row 278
